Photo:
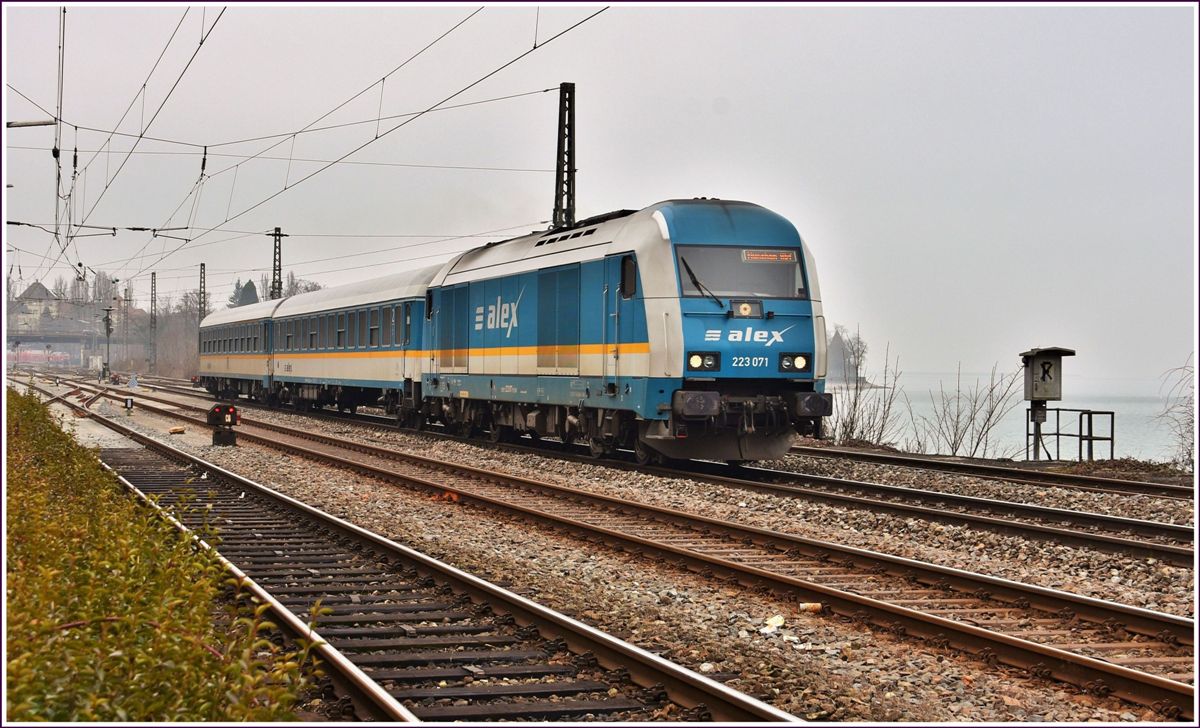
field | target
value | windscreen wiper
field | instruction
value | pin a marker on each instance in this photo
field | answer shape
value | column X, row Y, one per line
column 696, row 282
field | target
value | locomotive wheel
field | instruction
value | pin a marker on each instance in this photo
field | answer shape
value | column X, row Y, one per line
column 645, row 455
column 500, row 433
column 598, row 447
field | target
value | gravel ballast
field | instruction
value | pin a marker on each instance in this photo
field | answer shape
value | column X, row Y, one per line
column 1143, row 582
column 818, row 668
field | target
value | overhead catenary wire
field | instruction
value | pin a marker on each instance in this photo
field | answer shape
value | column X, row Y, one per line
column 195, row 187
column 298, row 264
column 307, row 127
column 282, row 135
column 59, row 121
column 431, row 44
column 265, row 269
column 368, row 163
column 157, row 111
column 41, row 108
column 141, row 92
column 436, row 107
column 140, row 228
column 362, row 146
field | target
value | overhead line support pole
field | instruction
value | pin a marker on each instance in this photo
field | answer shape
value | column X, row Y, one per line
column 564, row 166
column 125, row 320
column 108, row 329
column 153, row 323
column 201, row 304
column 277, row 266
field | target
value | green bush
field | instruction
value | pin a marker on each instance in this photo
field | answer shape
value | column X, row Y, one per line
column 112, row 614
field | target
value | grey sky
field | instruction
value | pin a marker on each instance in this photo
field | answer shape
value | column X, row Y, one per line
column 973, row 181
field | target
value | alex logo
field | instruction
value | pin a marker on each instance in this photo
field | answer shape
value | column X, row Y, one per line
column 748, row 335
column 498, row 315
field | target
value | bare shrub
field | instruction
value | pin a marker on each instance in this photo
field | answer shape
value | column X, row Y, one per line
column 865, row 412
column 1179, row 412
column 963, row 420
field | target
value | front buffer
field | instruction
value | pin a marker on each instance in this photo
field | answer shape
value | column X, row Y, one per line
column 710, row 424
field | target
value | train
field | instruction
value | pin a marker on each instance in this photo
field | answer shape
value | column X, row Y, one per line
column 690, row 329
column 39, row 356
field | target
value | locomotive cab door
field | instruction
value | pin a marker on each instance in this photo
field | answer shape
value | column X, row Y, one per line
column 620, row 286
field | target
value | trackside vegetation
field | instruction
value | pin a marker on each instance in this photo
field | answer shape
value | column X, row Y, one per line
column 112, row 614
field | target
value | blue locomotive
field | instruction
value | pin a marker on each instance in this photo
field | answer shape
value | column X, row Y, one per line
column 688, row 329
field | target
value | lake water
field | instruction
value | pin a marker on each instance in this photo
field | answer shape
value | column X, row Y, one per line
column 1136, row 404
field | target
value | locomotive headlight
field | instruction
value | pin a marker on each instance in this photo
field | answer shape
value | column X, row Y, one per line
column 695, row 361
column 710, row 361
column 703, row 361
column 794, row 363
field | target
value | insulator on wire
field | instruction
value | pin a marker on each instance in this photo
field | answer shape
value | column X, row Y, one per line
column 204, row 161
column 54, row 152
column 75, row 160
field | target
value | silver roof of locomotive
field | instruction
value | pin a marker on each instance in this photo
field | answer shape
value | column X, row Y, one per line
column 582, row 241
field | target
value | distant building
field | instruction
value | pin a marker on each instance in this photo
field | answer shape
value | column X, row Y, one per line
column 38, row 311
column 838, row 369
column 37, row 318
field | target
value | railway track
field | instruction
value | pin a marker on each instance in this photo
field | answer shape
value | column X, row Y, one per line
column 1012, row 475
column 1167, row 542
column 409, row 637
column 1141, row 656
column 1020, row 476
column 992, row 472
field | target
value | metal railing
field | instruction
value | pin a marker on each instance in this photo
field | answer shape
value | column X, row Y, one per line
column 1085, row 435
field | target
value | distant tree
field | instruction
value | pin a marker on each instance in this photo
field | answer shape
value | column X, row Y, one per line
column 243, row 294
column 863, row 412
column 847, row 355
column 60, row 288
column 295, row 285
column 235, row 298
column 855, row 351
column 249, row 294
column 103, row 289
column 79, row 290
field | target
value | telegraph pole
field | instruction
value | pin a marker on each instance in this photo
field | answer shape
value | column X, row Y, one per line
column 153, row 323
column 277, row 266
column 125, row 319
column 200, row 317
column 564, row 165
column 108, row 329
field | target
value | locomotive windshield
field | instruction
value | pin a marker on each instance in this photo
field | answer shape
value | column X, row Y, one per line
column 727, row 272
